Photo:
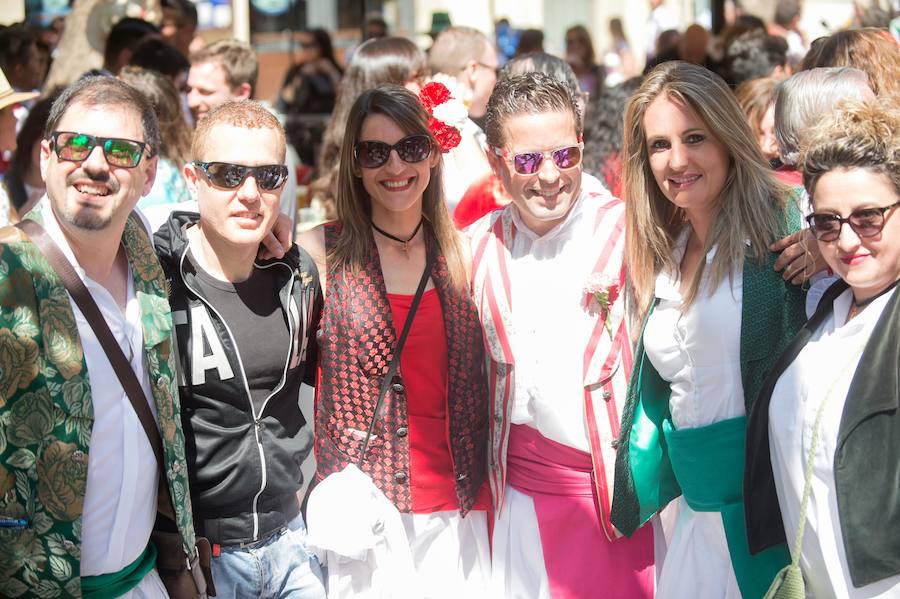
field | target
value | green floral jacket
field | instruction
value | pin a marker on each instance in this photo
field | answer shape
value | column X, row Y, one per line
column 46, row 414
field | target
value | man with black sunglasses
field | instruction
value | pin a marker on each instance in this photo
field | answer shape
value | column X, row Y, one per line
column 78, row 474
column 548, row 280
column 246, row 341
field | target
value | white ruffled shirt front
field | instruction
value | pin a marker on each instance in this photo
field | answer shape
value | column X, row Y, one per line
column 550, row 327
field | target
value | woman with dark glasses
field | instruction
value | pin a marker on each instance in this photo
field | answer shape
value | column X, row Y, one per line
column 702, row 210
column 414, row 420
column 825, row 442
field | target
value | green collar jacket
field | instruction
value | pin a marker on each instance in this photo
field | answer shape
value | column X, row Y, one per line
column 866, row 459
column 46, row 413
column 772, row 311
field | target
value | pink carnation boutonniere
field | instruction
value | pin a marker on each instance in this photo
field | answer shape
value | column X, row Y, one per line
column 600, row 292
column 447, row 114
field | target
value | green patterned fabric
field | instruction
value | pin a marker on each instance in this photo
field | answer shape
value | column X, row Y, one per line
column 772, row 312
column 46, row 414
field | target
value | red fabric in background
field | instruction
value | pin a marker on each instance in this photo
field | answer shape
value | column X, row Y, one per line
column 482, row 197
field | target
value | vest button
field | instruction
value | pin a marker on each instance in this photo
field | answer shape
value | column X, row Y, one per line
column 461, row 476
column 397, row 387
column 402, row 431
column 400, row 477
column 607, row 394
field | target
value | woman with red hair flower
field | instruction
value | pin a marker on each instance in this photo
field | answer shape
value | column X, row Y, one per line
column 402, row 391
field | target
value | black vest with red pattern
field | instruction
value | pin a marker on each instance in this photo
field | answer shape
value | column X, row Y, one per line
column 356, row 347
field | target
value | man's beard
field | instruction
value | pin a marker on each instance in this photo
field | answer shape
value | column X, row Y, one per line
column 86, row 218
column 89, row 218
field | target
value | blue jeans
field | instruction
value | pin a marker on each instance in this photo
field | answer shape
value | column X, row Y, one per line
column 278, row 567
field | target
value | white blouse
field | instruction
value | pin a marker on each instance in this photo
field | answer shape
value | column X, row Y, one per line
column 698, row 351
column 827, row 362
column 550, row 326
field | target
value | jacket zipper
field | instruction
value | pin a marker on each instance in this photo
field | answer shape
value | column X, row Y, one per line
column 256, row 423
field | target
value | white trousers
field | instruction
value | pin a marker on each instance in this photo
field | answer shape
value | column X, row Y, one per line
column 451, row 554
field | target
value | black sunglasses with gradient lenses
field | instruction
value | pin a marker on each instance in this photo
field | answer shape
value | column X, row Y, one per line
column 268, row 177
column 867, row 222
column 76, row 147
column 528, row 163
column 412, row 149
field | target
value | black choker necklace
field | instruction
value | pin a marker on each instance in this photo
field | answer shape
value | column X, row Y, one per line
column 866, row 302
column 404, row 242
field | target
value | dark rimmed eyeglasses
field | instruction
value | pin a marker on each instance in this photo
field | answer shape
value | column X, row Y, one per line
column 411, row 149
column 269, row 177
column 866, row 222
column 76, row 147
column 528, row 163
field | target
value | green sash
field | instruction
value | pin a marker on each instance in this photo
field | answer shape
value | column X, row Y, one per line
column 116, row 584
column 709, row 465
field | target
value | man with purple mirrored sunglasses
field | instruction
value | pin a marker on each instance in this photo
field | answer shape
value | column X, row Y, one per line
column 547, row 278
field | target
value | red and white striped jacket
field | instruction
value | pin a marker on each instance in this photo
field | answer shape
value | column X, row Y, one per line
column 607, row 356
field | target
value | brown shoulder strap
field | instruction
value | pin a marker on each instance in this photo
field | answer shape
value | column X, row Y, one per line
column 91, row 312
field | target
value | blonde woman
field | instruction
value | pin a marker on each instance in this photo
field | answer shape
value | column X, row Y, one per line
column 702, row 211
column 844, row 363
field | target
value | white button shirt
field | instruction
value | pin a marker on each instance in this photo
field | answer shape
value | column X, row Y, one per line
column 698, row 352
column 826, row 365
column 120, row 498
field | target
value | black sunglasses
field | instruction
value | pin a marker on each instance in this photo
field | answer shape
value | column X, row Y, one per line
column 412, row 149
column 268, row 177
column 76, row 147
column 867, row 222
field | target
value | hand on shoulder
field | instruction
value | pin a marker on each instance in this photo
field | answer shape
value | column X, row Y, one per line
column 313, row 241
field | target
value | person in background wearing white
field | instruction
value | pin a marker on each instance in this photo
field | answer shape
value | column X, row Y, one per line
column 465, row 60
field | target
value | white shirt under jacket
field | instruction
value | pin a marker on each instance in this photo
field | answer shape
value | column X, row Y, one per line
column 122, row 479
column 698, row 352
column 828, row 359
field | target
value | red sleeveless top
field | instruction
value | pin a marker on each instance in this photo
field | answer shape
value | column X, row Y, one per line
column 423, row 366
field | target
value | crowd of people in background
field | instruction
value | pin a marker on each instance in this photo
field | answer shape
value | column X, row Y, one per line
column 621, row 322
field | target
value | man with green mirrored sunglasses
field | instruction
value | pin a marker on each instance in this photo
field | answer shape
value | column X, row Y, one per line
column 79, row 479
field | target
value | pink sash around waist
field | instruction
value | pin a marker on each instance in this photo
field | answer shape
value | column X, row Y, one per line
column 579, row 559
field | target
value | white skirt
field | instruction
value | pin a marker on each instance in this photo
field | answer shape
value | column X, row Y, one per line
column 451, row 554
column 697, row 563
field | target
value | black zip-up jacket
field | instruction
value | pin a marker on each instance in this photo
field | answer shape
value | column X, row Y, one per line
column 244, row 466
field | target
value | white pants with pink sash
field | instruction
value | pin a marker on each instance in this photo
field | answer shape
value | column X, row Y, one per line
column 547, row 540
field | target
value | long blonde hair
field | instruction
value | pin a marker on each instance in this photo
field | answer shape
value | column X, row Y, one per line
column 751, row 204
column 354, row 207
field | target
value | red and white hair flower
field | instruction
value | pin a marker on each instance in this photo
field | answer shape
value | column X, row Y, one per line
column 447, row 114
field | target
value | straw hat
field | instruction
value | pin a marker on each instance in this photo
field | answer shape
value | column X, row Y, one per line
column 8, row 97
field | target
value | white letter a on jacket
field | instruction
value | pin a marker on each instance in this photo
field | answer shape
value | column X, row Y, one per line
column 202, row 328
